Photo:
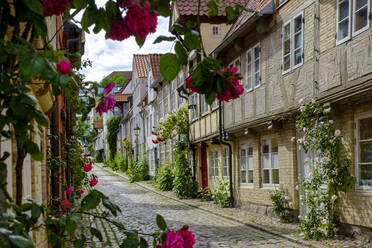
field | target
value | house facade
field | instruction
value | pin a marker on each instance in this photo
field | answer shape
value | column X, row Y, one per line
column 290, row 51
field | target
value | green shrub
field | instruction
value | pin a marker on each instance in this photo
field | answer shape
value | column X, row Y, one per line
column 164, row 178
column 111, row 164
column 138, row 171
column 121, row 162
column 98, row 157
column 281, row 205
column 222, row 193
column 184, row 184
column 112, row 125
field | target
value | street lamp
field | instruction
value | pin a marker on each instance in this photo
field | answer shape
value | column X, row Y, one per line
column 136, row 132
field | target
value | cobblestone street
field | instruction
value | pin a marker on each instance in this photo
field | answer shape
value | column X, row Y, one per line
column 140, row 207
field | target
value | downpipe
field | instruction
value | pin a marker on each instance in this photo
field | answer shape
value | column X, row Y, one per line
column 222, row 141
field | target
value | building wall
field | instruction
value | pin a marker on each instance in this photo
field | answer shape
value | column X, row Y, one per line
column 211, row 41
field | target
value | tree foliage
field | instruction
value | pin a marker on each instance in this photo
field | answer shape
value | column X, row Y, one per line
column 118, row 79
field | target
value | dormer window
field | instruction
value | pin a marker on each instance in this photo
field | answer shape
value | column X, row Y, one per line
column 215, row 30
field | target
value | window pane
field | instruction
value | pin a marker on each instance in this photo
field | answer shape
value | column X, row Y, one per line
column 274, row 157
column 243, row 176
column 237, row 65
column 343, row 10
column 266, row 176
column 243, row 163
column 360, row 3
column 298, row 40
column 365, row 152
column 287, row 62
column 275, row 176
column 298, row 57
column 266, row 161
column 250, row 163
column 287, row 31
column 256, row 52
column 365, row 128
column 287, row 47
column 225, row 171
column 250, row 151
column 298, row 24
column 249, row 57
column 265, row 148
column 257, row 79
column 250, row 176
column 365, row 171
column 361, row 19
column 343, row 29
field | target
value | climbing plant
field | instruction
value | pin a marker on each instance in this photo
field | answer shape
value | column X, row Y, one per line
column 329, row 170
column 112, row 132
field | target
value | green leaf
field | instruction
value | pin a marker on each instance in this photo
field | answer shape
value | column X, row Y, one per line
column 111, row 206
column 41, row 118
column 140, row 41
column 230, row 15
column 161, row 222
column 164, row 11
column 35, row 6
column 33, row 149
column 79, row 243
column 161, row 38
column 210, row 97
column 131, row 234
column 31, row 64
column 143, row 243
column 181, row 53
column 35, row 212
column 26, row 207
column 112, row 8
column 88, row 18
column 20, row 241
column 70, row 226
column 103, row 20
column 169, row 66
column 192, row 40
column 2, row 167
column 63, row 80
column 80, row 4
column 40, row 26
column 180, row 28
column 97, row 233
column 4, row 231
column 90, row 201
column 213, row 9
column 129, row 243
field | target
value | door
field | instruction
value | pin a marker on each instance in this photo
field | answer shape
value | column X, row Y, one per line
column 204, row 167
column 303, row 170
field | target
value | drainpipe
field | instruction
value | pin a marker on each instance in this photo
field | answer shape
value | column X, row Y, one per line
column 222, row 141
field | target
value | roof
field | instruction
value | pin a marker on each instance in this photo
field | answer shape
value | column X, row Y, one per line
column 140, row 61
column 126, row 74
column 190, row 7
column 155, row 64
column 122, row 97
column 262, row 7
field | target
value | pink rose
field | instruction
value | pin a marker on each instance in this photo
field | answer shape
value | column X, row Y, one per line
column 105, row 105
column 81, row 191
column 233, row 69
column 54, row 7
column 108, row 88
column 140, row 22
column 119, row 30
column 93, row 182
column 65, row 204
column 174, row 240
column 188, row 84
column 64, row 67
column 88, row 167
column 69, row 190
column 188, row 237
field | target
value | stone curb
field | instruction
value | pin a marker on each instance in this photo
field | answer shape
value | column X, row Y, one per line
column 261, row 228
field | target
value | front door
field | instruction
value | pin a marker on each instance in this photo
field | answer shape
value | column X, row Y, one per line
column 204, row 167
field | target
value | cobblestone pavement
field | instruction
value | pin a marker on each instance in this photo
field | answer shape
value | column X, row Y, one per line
column 140, row 207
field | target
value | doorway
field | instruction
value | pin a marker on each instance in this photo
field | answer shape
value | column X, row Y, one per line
column 204, row 167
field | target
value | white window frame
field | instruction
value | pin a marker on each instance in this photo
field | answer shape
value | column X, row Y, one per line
column 160, row 103
column 246, row 71
column 225, row 162
column 194, row 101
column 368, row 20
column 270, row 184
column 233, row 63
column 338, row 2
column 165, row 100
column 213, row 163
column 218, row 26
column 172, row 95
column 291, row 55
column 203, row 105
column 356, row 137
column 214, row 104
column 253, row 68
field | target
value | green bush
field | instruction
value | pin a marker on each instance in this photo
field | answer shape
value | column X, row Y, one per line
column 222, row 194
column 111, row 164
column 164, row 178
column 184, row 184
column 121, row 162
column 98, row 157
column 138, row 171
column 281, row 205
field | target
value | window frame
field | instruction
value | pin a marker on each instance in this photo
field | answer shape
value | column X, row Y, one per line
column 254, row 66
column 218, row 26
column 270, row 184
column 290, row 48
column 225, row 162
column 355, row 33
column 203, row 104
column 213, row 163
column 358, row 117
column 337, row 22
column 246, row 147
column 214, row 107
column 166, row 100
column 194, row 96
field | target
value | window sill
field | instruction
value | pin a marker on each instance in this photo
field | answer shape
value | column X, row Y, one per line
column 270, row 186
column 246, row 185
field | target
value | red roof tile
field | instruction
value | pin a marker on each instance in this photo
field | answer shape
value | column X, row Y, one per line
column 122, row 97
column 140, row 61
column 155, row 65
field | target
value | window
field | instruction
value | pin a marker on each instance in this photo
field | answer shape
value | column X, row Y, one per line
column 194, row 104
column 363, row 151
column 246, row 164
column 172, row 100
column 165, row 99
column 215, row 104
column 360, row 16
column 253, row 70
column 203, row 105
column 215, row 30
column 214, row 163
column 270, row 162
column 180, row 83
column 168, row 151
column 292, row 43
column 343, row 20
column 225, row 162
column 161, row 154
column 160, row 103
column 236, row 63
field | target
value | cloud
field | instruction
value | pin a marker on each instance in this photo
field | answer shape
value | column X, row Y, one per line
column 109, row 55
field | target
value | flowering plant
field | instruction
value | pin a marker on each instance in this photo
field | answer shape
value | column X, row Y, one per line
column 107, row 101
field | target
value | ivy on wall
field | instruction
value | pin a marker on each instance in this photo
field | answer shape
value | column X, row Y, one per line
column 112, row 131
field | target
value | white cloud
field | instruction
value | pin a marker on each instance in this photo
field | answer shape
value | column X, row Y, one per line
column 109, row 55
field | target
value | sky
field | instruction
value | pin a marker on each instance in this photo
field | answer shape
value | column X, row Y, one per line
column 109, row 55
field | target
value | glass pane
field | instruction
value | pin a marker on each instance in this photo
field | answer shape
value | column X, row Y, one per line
column 243, row 176
column 361, row 19
column 297, row 24
column 266, row 161
column 274, row 157
column 287, row 62
column 225, row 172
column 257, row 79
column 275, row 176
column 343, row 10
column 265, row 148
column 250, row 151
column 250, row 163
column 249, row 82
column 365, row 128
column 298, row 40
column 365, row 152
column 237, row 65
column 343, row 29
column 250, row 176
column 274, row 145
column 360, row 3
column 249, row 57
column 365, row 171
column 257, row 66
column 256, row 52
column 266, row 176
column 287, row 31
column 216, row 171
column 287, row 47
column 243, row 163
column 298, row 57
